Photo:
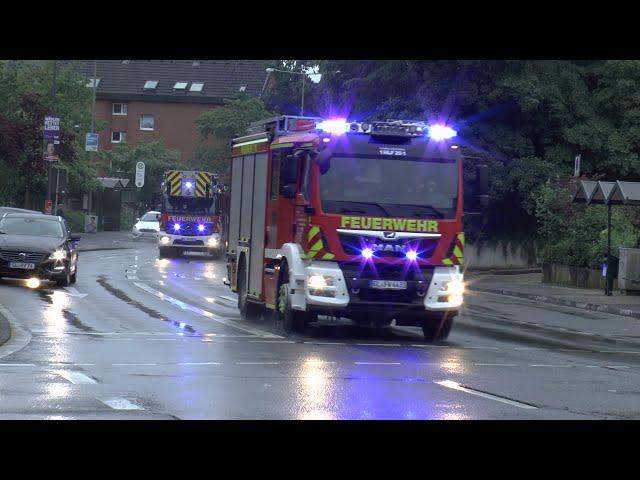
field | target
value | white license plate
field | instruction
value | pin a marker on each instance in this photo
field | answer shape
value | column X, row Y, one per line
column 24, row 266
column 388, row 284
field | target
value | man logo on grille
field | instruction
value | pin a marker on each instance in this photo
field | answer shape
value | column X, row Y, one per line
column 23, row 256
column 389, row 234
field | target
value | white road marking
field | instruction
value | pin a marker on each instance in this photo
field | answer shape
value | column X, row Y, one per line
column 199, row 363
column 120, row 404
column 377, row 363
column 495, row 364
column 17, row 365
column 257, row 363
column 616, row 367
column 231, row 299
column 325, row 343
column 134, row 364
column 77, row 378
column 456, row 386
column 379, row 344
column 74, row 293
column 132, row 277
column 619, row 351
column 186, row 306
column 552, row 366
column 431, row 346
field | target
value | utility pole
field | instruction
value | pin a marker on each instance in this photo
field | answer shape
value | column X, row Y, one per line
column 53, row 111
column 93, row 122
column 302, row 105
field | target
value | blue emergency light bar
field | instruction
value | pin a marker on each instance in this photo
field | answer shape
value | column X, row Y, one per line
column 399, row 128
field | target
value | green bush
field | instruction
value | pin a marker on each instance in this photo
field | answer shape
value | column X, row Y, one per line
column 75, row 221
column 127, row 218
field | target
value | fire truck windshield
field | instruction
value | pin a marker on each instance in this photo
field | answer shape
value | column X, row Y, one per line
column 391, row 187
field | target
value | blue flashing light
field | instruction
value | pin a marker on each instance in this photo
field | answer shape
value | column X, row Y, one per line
column 367, row 253
column 412, row 255
column 441, row 132
column 176, row 226
column 201, row 228
column 336, row 126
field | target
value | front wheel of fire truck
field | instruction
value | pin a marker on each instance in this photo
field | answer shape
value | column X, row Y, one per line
column 437, row 328
column 248, row 310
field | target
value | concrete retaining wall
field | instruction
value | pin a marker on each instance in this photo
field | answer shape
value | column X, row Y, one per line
column 487, row 256
column 574, row 276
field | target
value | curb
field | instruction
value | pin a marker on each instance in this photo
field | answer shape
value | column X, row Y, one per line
column 99, row 249
column 5, row 330
column 595, row 307
column 514, row 271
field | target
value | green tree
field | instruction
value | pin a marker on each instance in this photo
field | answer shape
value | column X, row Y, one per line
column 157, row 160
column 219, row 126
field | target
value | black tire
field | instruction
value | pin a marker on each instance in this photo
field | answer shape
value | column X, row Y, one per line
column 66, row 281
column 162, row 253
column 74, row 277
column 292, row 320
column 248, row 310
column 437, row 329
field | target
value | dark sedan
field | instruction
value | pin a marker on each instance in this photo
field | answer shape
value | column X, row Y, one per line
column 37, row 247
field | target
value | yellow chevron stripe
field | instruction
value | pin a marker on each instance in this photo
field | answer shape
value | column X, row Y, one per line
column 316, row 246
column 173, row 175
column 312, row 253
column 328, row 256
column 461, row 238
column 313, row 231
column 447, row 261
column 457, row 252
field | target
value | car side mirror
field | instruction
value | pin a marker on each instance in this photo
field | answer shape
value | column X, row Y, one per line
column 137, row 220
column 74, row 237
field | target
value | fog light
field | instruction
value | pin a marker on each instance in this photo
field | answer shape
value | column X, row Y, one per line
column 455, row 287
column 33, row 282
column 316, row 282
column 455, row 300
column 164, row 240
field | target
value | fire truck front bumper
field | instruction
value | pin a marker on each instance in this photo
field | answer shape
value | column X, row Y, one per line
column 330, row 289
column 191, row 243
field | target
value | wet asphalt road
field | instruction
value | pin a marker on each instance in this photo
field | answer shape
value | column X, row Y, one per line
column 138, row 338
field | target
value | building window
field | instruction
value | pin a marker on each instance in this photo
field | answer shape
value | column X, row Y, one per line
column 180, row 85
column 118, row 137
column 196, row 86
column 93, row 82
column 147, row 122
column 119, row 109
column 151, row 84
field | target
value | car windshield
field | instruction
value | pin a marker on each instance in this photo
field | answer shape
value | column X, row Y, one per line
column 149, row 217
column 390, row 187
column 31, row 226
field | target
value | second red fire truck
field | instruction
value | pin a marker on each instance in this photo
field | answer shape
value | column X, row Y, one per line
column 347, row 219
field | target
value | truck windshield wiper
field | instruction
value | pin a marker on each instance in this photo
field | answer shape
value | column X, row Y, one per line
column 434, row 210
column 377, row 205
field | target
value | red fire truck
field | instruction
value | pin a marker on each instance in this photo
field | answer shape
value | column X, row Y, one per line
column 190, row 219
column 347, row 219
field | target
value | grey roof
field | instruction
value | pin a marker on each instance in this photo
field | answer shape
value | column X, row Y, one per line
column 603, row 192
column 108, row 182
column 124, row 80
column 586, row 189
column 626, row 192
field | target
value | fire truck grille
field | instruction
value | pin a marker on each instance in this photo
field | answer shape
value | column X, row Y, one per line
column 31, row 257
column 354, row 244
column 372, row 271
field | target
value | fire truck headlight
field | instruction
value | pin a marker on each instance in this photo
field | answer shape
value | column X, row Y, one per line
column 455, row 288
column 164, row 240
column 212, row 242
column 367, row 253
column 454, row 300
column 316, row 282
column 441, row 132
column 412, row 255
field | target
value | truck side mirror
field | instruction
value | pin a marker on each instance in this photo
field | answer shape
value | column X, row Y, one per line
column 289, row 173
column 288, row 191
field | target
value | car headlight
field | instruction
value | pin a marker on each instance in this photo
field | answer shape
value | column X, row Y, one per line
column 164, row 240
column 58, row 255
column 455, row 288
column 212, row 242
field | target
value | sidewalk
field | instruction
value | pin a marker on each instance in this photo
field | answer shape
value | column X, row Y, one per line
column 105, row 241
column 530, row 286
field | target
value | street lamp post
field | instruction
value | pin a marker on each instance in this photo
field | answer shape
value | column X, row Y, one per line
column 303, row 73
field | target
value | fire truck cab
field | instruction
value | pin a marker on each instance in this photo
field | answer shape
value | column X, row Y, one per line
column 347, row 219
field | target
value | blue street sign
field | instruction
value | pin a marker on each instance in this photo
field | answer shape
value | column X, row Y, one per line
column 91, row 144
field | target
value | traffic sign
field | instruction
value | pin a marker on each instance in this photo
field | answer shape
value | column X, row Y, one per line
column 91, row 142
column 140, row 167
